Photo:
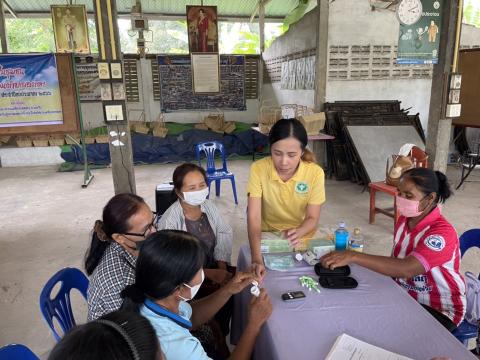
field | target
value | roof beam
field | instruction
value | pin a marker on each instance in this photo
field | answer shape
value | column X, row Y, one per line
column 7, row 7
column 151, row 16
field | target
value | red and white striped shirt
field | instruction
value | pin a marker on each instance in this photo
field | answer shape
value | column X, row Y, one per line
column 433, row 242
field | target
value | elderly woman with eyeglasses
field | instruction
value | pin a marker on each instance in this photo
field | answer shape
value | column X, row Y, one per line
column 110, row 261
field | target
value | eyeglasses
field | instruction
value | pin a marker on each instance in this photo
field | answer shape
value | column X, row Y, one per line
column 152, row 225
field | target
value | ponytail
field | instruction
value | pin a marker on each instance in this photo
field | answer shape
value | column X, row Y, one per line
column 444, row 190
column 97, row 248
column 133, row 298
column 115, row 217
column 308, row 156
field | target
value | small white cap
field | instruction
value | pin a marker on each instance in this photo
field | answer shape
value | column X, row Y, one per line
column 298, row 256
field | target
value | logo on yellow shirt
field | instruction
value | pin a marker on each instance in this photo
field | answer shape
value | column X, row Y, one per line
column 301, row 187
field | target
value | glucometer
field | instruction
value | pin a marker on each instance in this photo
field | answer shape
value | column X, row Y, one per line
column 293, row 296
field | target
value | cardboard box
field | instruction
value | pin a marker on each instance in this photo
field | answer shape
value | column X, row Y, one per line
column 313, row 123
column 23, row 141
column 159, row 129
column 321, row 247
column 40, row 140
column 56, row 140
column 101, row 139
column 75, row 136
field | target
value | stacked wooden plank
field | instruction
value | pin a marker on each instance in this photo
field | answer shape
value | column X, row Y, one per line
column 343, row 160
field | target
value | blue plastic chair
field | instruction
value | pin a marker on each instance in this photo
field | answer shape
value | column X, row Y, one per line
column 60, row 307
column 466, row 331
column 17, row 352
column 214, row 174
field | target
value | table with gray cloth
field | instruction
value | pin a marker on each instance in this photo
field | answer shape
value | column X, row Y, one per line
column 378, row 311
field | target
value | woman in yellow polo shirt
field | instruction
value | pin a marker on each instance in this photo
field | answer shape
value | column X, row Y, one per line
column 285, row 190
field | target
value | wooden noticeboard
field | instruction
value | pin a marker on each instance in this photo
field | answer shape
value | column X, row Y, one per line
column 69, row 104
column 469, row 68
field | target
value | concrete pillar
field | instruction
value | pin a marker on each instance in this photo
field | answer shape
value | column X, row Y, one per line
column 321, row 56
column 120, row 144
column 439, row 127
column 3, row 30
column 261, row 25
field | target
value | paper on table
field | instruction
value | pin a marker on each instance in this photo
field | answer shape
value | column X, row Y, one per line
column 348, row 347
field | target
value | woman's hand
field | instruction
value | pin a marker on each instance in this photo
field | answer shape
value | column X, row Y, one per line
column 239, row 282
column 219, row 276
column 258, row 269
column 260, row 309
column 337, row 258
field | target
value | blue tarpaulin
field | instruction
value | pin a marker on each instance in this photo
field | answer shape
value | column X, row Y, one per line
column 149, row 149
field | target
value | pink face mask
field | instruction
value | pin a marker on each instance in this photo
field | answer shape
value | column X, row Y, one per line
column 408, row 208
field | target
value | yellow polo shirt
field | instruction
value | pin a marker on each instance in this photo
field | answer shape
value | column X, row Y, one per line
column 284, row 204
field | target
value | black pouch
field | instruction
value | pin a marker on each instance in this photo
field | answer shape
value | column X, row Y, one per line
column 338, row 271
column 335, row 279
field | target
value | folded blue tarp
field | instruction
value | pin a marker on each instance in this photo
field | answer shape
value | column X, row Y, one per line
column 149, row 149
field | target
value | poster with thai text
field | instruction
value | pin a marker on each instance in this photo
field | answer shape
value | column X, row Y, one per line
column 29, row 91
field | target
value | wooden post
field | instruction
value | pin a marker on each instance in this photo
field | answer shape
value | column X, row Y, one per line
column 261, row 26
column 120, row 144
column 439, row 127
column 3, row 30
column 321, row 55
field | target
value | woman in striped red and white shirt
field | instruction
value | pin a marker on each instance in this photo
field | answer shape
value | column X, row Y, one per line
column 425, row 258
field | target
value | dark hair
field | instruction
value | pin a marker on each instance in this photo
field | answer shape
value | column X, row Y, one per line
column 167, row 259
column 116, row 214
column 429, row 181
column 182, row 171
column 285, row 128
column 115, row 336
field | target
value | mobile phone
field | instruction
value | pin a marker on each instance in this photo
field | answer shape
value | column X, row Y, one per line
column 293, row 295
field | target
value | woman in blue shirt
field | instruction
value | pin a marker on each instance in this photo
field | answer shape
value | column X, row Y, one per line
column 169, row 273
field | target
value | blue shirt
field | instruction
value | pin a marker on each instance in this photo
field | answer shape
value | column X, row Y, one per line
column 177, row 342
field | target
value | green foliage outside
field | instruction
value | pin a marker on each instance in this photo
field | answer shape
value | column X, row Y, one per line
column 471, row 12
column 36, row 35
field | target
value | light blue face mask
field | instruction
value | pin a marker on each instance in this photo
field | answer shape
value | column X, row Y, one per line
column 278, row 262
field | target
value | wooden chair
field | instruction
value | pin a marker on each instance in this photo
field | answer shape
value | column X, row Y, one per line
column 420, row 159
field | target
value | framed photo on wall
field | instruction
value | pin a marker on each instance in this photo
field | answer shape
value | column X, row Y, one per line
column 202, row 27
column 70, row 28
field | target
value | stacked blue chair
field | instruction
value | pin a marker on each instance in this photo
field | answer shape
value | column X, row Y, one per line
column 60, row 307
column 214, row 174
column 17, row 352
column 466, row 331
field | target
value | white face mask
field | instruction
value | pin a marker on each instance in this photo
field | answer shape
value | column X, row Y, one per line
column 195, row 198
column 193, row 289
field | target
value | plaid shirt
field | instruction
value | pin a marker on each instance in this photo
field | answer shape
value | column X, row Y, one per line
column 113, row 273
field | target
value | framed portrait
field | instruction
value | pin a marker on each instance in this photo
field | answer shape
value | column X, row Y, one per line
column 118, row 91
column 114, row 111
column 116, row 68
column 202, row 27
column 205, row 73
column 70, row 28
column 106, row 91
column 103, row 71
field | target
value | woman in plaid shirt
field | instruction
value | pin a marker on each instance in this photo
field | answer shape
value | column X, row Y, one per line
column 110, row 260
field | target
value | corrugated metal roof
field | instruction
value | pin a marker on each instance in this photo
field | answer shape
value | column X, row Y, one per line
column 226, row 8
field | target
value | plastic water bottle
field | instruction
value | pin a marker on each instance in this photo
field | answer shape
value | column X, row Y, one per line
column 356, row 241
column 341, row 237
